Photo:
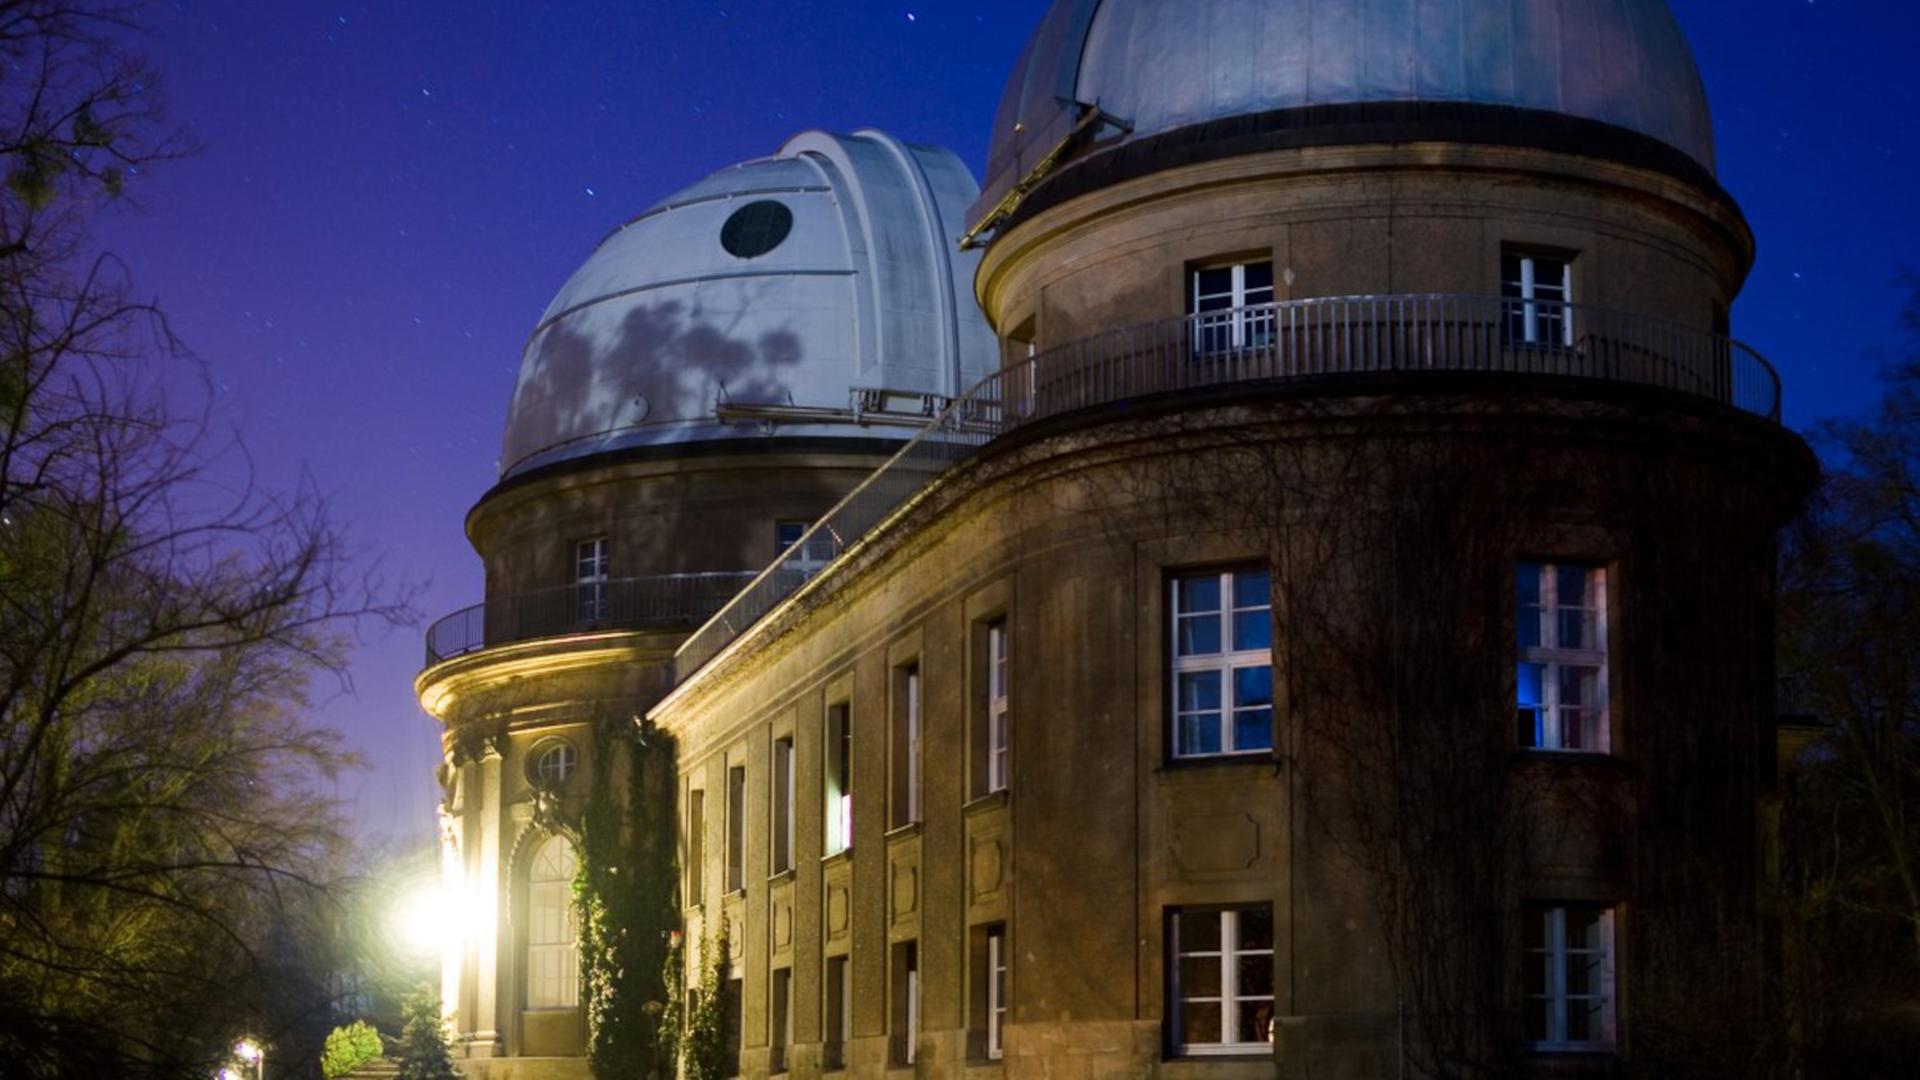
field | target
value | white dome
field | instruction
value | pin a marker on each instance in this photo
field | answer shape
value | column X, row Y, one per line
column 1161, row 65
column 795, row 280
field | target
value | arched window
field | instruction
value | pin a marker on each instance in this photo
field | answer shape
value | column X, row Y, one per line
column 553, row 951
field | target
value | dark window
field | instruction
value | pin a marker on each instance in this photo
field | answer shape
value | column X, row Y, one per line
column 736, row 828
column 756, row 228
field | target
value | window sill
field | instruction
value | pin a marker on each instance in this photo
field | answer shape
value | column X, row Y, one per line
column 780, row 877
column 990, row 801
column 1571, row 757
column 1261, row 758
column 845, row 854
column 901, row 832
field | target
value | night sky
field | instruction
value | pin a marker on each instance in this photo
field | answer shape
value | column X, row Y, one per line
column 389, row 195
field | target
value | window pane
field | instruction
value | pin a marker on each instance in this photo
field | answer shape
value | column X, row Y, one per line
column 1537, row 1012
column 1200, row 593
column 1574, row 586
column 1199, row 690
column 1199, row 635
column 1199, row 1023
column 1256, row 928
column 1253, row 729
column 1199, row 931
column 1259, row 276
column 1252, row 686
column 1218, row 279
column 1199, row 734
column 1256, row 1022
column 1199, row 976
column 1583, row 973
column 1578, row 629
column 1578, row 685
column 1252, row 630
column 1510, row 275
column 1581, row 1021
column 1256, row 976
column 1583, row 928
column 1251, row 588
column 1538, row 967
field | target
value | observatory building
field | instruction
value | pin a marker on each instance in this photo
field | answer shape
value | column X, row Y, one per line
column 1278, row 582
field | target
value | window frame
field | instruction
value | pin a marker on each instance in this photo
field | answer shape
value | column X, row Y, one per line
column 537, row 764
column 736, row 838
column 812, row 556
column 780, row 825
column 589, row 579
column 999, row 735
column 1226, row 662
column 559, row 892
column 696, row 876
column 1552, row 658
column 1229, row 998
column 907, row 803
column 1556, row 952
column 1245, row 329
column 996, row 991
column 1535, row 312
column 836, row 788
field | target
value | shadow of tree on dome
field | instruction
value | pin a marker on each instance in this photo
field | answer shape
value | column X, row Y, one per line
column 591, row 374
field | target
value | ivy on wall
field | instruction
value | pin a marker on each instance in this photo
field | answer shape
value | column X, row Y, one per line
column 624, row 901
column 707, row 1044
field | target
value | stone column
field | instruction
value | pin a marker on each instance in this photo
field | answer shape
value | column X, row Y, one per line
column 489, row 889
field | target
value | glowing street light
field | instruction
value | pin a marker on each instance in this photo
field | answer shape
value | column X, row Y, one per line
column 253, row 1053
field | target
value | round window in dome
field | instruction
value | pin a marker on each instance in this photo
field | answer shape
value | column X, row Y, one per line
column 553, row 763
column 756, row 228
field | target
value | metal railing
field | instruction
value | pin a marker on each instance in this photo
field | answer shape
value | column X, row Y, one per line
column 1271, row 343
column 644, row 603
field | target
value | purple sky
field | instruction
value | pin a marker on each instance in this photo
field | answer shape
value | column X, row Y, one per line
column 391, row 193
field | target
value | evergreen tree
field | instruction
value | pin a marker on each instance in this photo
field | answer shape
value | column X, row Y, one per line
column 424, row 1053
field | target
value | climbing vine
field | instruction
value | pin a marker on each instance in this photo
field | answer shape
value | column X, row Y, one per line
column 705, row 1045
column 623, row 897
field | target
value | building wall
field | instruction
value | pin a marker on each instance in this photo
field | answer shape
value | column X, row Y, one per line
column 1073, row 537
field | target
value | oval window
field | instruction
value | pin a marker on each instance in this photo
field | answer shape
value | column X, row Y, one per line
column 756, row 228
column 553, row 764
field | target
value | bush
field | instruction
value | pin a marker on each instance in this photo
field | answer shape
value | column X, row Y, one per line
column 348, row 1048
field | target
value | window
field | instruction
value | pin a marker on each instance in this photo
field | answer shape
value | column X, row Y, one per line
column 1569, row 977
column 756, row 228
column 1561, row 677
column 906, row 745
column 732, row 1031
column 905, row 1023
column 839, row 779
column 807, row 558
column 986, row 991
column 997, row 733
column 590, row 579
column 779, row 1019
column 696, row 846
column 836, row 1007
column 1222, row 663
column 996, row 991
column 553, row 763
column 553, row 957
column 1222, row 975
column 783, row 779
column 736, row 828
column 1536, row 290
column 1219, row 299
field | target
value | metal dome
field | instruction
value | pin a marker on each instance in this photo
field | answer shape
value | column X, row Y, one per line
column 800, row 285
column 1160, row 65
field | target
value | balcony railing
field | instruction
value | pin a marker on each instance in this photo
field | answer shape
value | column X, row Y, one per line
column 1294, row 341
column 673, row 601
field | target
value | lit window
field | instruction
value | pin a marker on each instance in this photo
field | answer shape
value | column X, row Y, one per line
column 1536, row 290
column 1569, row 977
column 997, row 733
column 807, row 558
column 996, row 991
column 839, row 779
column 905, row 1021
column 553, row 764
column 1231, row 307
column 590, row 579
column 1222, row 980
column 1561, row 676
column 553, row 957
column 736, row 828
column 1222, row 663
column 783, row 786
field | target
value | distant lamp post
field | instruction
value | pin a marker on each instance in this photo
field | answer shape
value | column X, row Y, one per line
column 253, row 1054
